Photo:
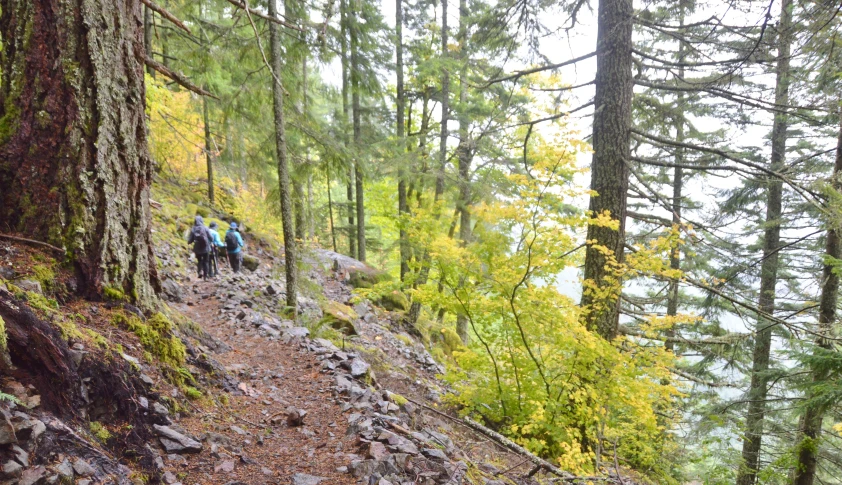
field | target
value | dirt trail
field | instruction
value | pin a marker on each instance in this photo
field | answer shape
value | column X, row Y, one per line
column 273, row 377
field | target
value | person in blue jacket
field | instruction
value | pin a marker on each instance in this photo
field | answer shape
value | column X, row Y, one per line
column 234, row 245
column 216, row 243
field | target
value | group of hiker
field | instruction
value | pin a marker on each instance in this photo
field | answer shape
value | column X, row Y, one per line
column 207, row 244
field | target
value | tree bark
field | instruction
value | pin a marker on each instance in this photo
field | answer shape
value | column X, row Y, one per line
column 343, row 42
column 811, row 422
column 74, row 163
column 208, row 147
column 290, row 253
column 356, row 114
column 756, row 413
column 403, row 204
column 465, row 155
column 609, row 169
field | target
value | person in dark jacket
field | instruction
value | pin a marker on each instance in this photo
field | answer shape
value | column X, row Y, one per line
column 234, row 245
column 201, row 239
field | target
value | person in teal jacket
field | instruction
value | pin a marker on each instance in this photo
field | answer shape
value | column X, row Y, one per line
column 216, row 243
column 234, row 245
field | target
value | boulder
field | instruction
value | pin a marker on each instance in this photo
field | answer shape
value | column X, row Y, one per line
column 339, row 316
column 304, row 479
column 172, row 290
column 30, row 285
column 250, row 262
column 7, row 430
column 394, row 301
column 175, row 442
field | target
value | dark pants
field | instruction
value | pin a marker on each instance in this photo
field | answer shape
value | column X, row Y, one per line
column 235, row 259
column 204, row 266
column 213, row 263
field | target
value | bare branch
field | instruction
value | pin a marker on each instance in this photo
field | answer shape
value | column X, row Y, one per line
column 520, row 74
column 175, row 76
column 257, row 13
column 172, row 18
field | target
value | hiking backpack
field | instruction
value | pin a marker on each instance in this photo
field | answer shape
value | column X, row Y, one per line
column 231, row 242
column 201, row 240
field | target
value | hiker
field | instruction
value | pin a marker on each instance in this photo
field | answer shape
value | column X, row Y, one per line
column 201, row 239
column 216, row 243
column 234, row 245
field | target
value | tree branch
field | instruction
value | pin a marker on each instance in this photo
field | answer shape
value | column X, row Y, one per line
column 175, row 76
column 257, row 13
column 172, row 18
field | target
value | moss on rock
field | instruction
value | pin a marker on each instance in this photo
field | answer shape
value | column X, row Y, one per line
column 339, row 316
column 156, row 336
column 394, row 301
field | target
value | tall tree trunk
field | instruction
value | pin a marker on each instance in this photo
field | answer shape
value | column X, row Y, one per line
column 355, row 110
column 290, row 260
column 330, row 211
column 208, row 147
column 403, row 204
column 343, row 42
column 756, row 413
column 148, row 24
column 609, row 169
column 811, row 422
column 465, row 154
column 415, row 308
column 74, row 163
column 677, row 184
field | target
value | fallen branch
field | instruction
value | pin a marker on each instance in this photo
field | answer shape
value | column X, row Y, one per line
column 264, row 16
column 172, row 18
column 175, row 76
column 502, row 441
column 32, row 241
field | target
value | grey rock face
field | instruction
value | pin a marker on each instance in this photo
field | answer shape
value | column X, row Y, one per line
column 175, row 442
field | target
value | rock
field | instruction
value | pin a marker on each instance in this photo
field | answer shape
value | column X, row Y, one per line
column 7, row 430
column 160, row 409
column 358, row 367
column 143, row 402
column 30, row 285
column 377, row 451
column 394, row 301
column 172, row 290
column 435, row 454
column 83, row 468
column 12, row 469
column 147, row 380
column 494, row 482
column 170, row 478
column 271, row 290
column 175, row 442
column 326, row 344
column 21, row 456
column 65, row 469
column 250, row 262
column 33, row 476
column 271, row 332
column 226, row 466
column 130, row 359
column 295, row 417
column 297, row 332
column 339, row 316
column 241, row 315
column 304, row 479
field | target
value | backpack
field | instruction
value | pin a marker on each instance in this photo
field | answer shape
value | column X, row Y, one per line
column 231, row 242
column 201, row 240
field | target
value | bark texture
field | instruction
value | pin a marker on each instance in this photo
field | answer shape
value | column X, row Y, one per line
column 357, row 121
column 403, row 203
column 290, row 253
column 343, row 43
column 74, row 163
column 756, row 413
column 208, row 147
column 464, row 153
column 609, row 169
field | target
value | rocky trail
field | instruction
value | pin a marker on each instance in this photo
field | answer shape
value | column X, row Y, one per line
column 274, row 402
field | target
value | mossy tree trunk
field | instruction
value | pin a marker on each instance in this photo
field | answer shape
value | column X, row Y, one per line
column 287, row 222
column 74, row 163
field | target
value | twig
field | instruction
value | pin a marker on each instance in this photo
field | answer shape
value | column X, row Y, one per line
column 175, row 76
column 32, row 241
column 172, row 18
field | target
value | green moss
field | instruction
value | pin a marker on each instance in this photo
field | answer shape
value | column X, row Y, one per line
column 4, row 344
column 39, row 302
column 113, row 294
column 394, row 300
column 450, row 341
column 398, row 399
column 100, row 431
column 46, row 276
column 97, row 338
column 156, row 337
column 339, row 316
column 192, row 393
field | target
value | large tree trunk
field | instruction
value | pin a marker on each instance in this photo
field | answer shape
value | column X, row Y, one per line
column 756, row 413
column 74, row 163
column 343, row 43
column 290, row 261
column 148, row 25
column 465, row 155
column 403, row 204
column 356, row 114
column 609, row 169
column 811, row 422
